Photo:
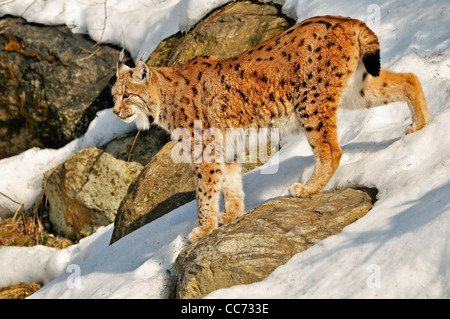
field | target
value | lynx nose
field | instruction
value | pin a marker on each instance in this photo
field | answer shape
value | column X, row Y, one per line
column 116, row 111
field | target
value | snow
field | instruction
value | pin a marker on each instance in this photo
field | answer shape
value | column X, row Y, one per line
column 400, row 249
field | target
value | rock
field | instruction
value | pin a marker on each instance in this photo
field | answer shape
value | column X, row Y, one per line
column 226, row 32
column 147, row 144
column 248, row 249
column 90, row 185
column 53, row 83
column 85, row 191
column 161, row 187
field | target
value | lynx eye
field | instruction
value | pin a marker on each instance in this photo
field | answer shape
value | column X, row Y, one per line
column 126, row 96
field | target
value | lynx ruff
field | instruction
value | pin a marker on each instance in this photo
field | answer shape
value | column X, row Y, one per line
column 295, row 82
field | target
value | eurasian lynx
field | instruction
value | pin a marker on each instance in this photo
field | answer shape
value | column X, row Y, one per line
column 295, row 81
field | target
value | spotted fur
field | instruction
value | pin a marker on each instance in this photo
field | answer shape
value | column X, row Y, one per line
column 295, row 81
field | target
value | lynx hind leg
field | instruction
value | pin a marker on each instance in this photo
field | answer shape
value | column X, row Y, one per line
column 208, row 182
column 322, row 136
column 233, row 195
column 394, row 87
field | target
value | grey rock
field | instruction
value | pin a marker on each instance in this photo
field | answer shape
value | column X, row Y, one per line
column 247, row 250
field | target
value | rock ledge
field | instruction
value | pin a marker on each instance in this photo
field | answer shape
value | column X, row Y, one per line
column 250, row 248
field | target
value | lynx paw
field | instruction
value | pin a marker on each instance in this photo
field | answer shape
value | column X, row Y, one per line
column 411, row 129
column 199, row 232
column 225, row 218
column 233, row 210
column 416, row 127
column 299, row 190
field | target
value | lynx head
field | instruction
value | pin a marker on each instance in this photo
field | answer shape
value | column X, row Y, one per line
column 135, row 94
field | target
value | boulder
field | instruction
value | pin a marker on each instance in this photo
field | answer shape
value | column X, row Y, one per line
column 146, row 144
column 52, row 82
column 224, row 33
column 161, row 187
column 247, row 250
column 85, row 191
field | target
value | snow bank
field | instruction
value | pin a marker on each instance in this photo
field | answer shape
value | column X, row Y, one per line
column 400, row 249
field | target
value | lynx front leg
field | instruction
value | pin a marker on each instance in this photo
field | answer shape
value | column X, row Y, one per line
column 233, row 195
column 327, row 154
column 208, row 182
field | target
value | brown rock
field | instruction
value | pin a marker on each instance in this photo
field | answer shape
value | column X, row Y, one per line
column 250, row 248
column 146, row 144
column 52, row 82
column 226, row 32
column 161, row 187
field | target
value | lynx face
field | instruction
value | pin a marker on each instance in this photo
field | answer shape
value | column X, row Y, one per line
column 132, row 93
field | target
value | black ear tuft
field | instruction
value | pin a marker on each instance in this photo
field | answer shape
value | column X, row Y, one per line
column 372, row 63
column 144, row 74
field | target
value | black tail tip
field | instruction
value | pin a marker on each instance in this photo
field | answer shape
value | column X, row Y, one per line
column 372, row 63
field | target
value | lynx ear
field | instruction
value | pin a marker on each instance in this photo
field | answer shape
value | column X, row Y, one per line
column 141, row 71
